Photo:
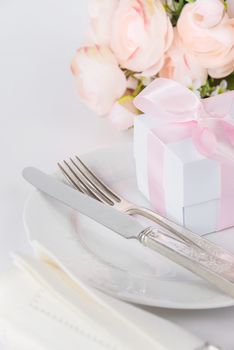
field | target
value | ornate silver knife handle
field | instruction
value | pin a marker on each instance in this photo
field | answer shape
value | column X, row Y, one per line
column 214, row 269
column 184, row 234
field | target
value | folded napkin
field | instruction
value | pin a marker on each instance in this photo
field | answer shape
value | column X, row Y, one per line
column 42, row 308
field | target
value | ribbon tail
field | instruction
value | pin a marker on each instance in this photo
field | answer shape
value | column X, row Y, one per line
column 205, row 141
column 221, row 105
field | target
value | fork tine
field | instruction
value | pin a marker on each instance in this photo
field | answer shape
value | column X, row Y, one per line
column 70, row 179
column 91, row 186
column 77, row 183
column 97, row 182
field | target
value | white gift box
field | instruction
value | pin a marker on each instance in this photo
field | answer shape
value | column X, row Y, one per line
column 187, row 184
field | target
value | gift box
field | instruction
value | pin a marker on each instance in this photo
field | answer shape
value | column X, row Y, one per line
column 183, row 149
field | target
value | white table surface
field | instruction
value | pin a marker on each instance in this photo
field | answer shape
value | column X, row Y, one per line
column 42, row 122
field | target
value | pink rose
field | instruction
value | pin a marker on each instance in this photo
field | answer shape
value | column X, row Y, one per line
column 121, row 117
column 100, row 81
column 101, row 14
column 141, row 33
column 182, row 66
column 123, row 113
column 208, row 32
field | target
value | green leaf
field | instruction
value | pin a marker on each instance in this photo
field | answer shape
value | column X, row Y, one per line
column 125, row 98
column 225, row 5
column 178, row 6
column 138, row 89
column 230, row 81
column 175, row 10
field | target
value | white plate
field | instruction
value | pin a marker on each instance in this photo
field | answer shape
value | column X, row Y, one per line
column 99, row 257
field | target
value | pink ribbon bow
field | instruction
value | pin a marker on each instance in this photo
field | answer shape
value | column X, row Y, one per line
column 182, row 114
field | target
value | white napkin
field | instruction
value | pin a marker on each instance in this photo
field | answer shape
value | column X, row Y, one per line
column 42, row 308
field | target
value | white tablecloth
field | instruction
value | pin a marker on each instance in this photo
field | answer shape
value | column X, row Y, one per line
column 42, row 122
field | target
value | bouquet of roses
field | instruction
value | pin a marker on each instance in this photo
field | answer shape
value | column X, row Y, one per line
column 132, row 42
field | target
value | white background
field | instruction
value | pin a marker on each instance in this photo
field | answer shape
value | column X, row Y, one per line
column 42, row 122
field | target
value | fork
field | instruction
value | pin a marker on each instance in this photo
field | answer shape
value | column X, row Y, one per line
column 83, row 179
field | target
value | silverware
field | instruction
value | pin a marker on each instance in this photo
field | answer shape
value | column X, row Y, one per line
column 84, row 180
column 219, row 272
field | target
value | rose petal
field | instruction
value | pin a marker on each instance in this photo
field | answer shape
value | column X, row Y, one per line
column 121, row 117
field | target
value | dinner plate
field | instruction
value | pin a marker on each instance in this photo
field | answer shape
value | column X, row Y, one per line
column 91, row 253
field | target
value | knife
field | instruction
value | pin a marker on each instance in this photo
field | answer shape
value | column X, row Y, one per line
column 217, row 270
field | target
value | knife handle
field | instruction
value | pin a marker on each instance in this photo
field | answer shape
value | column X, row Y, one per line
column 183, row 233
column 217, row 271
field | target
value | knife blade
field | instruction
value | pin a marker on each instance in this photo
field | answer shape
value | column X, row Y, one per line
column 98, row 211
column 216, row 270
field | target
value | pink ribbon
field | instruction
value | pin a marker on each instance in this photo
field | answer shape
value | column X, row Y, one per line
column 208, row 121
column 180, row 114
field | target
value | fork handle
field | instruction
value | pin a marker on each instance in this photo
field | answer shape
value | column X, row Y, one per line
column 211, row 268
column 183, row 233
